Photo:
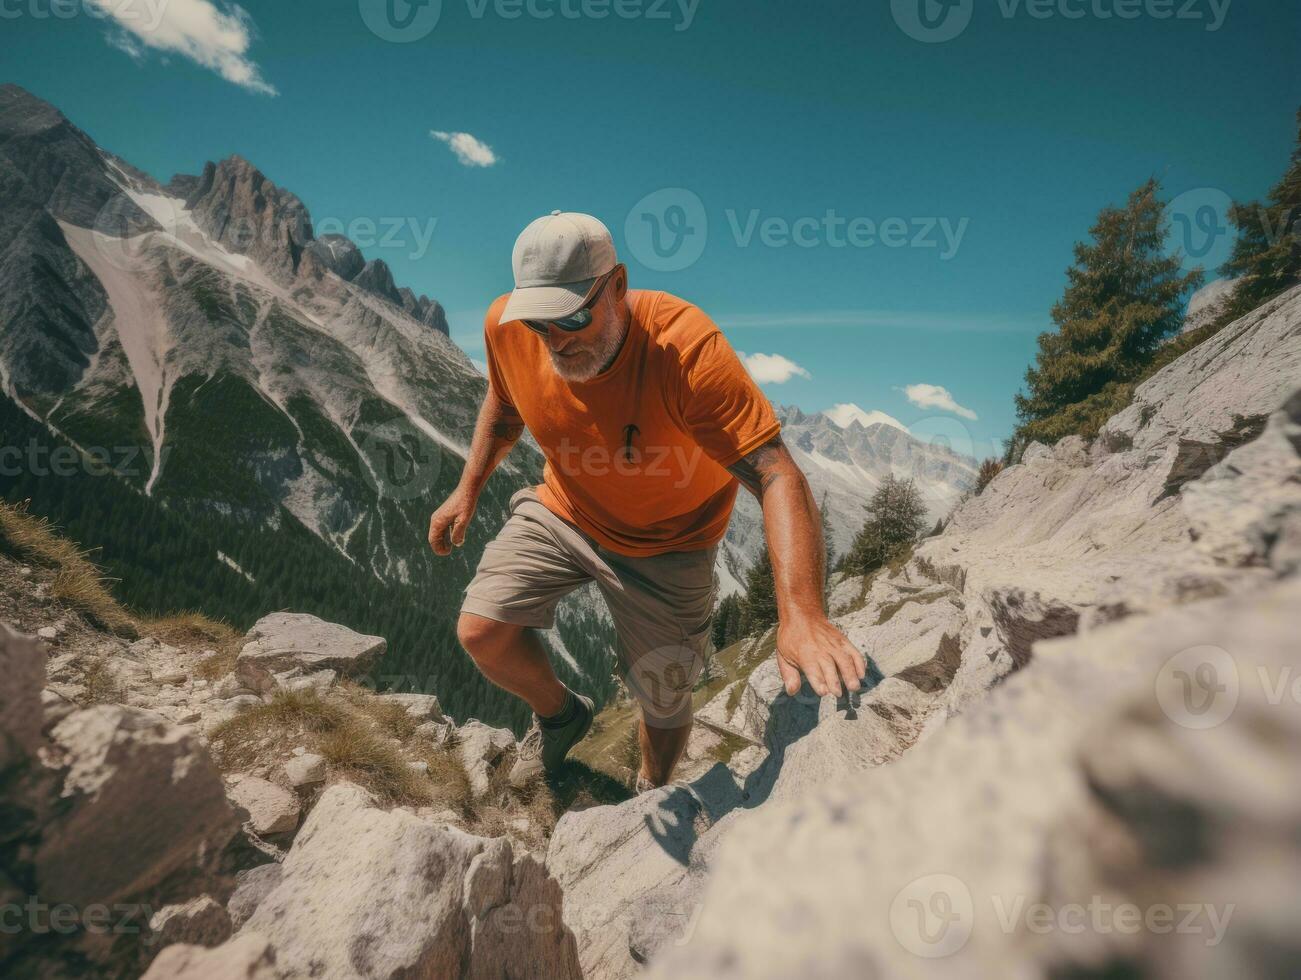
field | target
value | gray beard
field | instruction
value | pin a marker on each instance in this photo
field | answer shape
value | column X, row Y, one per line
column 591, row 363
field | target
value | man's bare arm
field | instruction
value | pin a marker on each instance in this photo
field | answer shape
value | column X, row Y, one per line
column 806, row 640
column 495, row 433
column 497, row 430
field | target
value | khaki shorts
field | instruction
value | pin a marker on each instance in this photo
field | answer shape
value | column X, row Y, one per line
column 662, row 605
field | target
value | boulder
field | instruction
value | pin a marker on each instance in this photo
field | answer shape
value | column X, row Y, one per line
column 317, row 680
column 421, row 707
column 271, row 809
column 438, row 732
column 307, row 769
column 1084, row 780
column 283, row 640
column 480, row 747
column 22, row 713
column 201, row 921
column 383, row 894
column 150, row 798
column 247, row 957
column 56, row 706
column 251, row 886
column 252, row 677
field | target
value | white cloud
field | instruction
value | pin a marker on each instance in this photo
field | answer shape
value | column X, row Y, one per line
column 470, row 150
column 216, row 38
column 935, row 396
column 772, row 368
column 847, row 412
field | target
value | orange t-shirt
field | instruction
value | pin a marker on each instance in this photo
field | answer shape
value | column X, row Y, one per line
column 636, row 456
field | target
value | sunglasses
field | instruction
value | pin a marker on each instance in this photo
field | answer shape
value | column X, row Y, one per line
column 576, row 321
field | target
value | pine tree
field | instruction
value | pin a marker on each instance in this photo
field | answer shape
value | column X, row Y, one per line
column 828, row 546
column 896, row 518
column 1267, row 253
column 989, row 469
column 760, row 608
column 727, row 621
column 1124, row 296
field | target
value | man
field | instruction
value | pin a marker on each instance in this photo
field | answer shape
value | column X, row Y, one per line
column 648, row 422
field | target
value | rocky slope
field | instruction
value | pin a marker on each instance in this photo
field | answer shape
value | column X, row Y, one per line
column 164, row 815
column 988, row 769
column 1081, row 717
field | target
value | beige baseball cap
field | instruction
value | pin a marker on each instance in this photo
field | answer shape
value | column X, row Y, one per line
column 556, row 260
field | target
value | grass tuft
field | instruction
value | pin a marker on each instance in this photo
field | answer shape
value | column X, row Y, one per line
column 354, row 733
column 78, row 581
column 102, row 684
column 359, row 752
column 447, row 773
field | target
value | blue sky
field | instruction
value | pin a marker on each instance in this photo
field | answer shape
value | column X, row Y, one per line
column 889, row 211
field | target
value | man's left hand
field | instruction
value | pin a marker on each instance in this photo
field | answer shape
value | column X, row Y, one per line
column 825, row 656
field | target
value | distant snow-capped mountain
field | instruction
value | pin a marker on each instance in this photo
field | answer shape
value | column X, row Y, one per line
column 844, row 461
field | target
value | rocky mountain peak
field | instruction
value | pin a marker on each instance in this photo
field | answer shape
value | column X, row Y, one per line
column 60, row 168
column 338, row 254
column 22, row 113
column 242, row 210
column 427, row 311
column 376, row 277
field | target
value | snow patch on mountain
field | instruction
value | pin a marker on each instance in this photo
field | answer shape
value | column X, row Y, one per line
column 846, row 412
column 140, row 327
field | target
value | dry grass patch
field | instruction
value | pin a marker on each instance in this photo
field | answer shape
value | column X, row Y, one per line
column 101, row 683
column 539, row 809
column 447, row 773
column 194, row 629
column 390, row 716
column 78, row 581
column 359, row 752
column 218, row 665
column 354, row 742
column 238, row 742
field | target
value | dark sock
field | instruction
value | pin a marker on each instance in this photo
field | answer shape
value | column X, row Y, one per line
column 565, row 715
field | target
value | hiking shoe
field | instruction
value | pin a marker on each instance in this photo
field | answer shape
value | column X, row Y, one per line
column 545, row 746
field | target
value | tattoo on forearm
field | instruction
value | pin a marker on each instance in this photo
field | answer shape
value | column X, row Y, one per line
column 763, row 467
column 507, row 431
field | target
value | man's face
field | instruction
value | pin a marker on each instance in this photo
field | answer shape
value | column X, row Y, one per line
column 582, row 355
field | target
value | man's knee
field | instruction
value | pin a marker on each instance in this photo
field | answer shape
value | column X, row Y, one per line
column 484, row 638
